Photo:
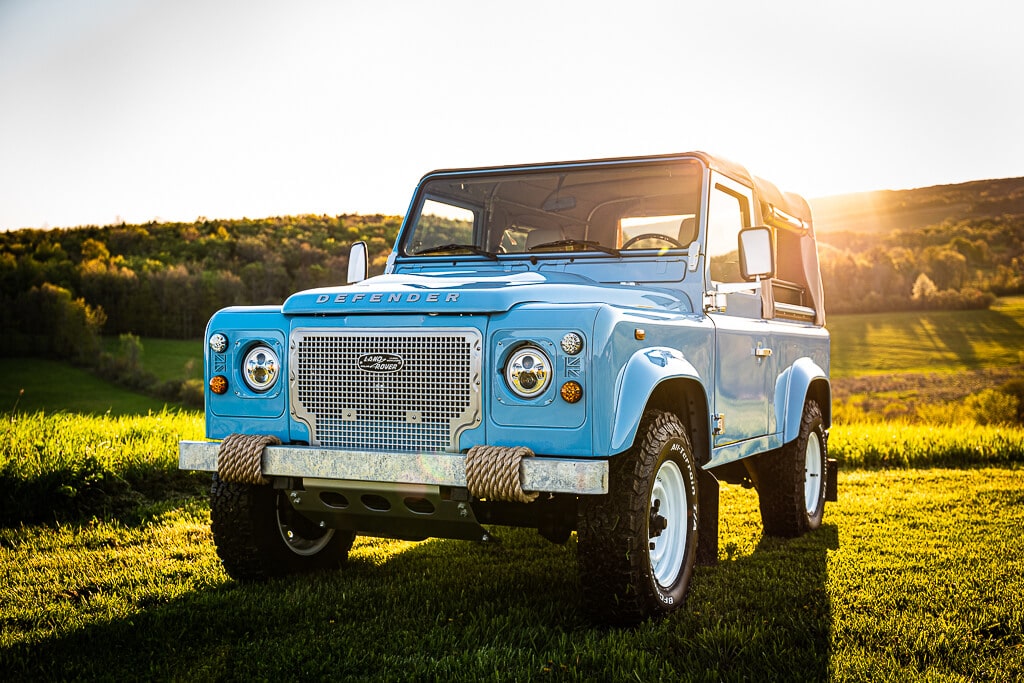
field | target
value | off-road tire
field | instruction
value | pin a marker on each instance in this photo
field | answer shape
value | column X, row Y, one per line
column 791, row 494
column 249, row 524
column 619, row 571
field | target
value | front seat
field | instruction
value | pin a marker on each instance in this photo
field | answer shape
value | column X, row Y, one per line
column 539, row 236
column 688, row 231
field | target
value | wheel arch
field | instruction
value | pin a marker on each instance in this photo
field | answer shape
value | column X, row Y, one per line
column 660, row 378
column 686, row 398
column 803, row 380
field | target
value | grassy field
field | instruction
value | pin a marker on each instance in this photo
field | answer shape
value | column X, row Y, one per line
column 33, row 384
column 931, row 341
column 109, row 570
column 167, row 359
column 915, row 575
column 55, row 467
column 925, row 341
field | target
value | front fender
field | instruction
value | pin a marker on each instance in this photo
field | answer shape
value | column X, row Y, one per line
column 791, row 390
column 644, row 371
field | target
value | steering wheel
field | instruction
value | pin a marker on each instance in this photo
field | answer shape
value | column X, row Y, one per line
column 653, row 236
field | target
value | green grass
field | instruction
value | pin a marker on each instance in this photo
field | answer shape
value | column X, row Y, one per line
column 929, row 341
column 32, row 384
column 167, row 359
column 898, row 445
column 915, row 575
column 69, row 466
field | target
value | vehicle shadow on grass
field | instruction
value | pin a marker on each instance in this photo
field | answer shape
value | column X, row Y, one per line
column 770, row 606
column 456, row 609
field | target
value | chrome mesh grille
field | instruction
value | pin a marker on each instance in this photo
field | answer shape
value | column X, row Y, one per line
column 422, row 406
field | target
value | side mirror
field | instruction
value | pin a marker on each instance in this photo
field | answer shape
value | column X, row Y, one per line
column 357, row 271
column 757, row 258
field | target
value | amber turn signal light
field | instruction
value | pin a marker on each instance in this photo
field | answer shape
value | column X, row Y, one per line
column 219, row 384
column 572, row 392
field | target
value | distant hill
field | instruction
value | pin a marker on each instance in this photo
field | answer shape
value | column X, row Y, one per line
column 886, row 211
column 942, row 247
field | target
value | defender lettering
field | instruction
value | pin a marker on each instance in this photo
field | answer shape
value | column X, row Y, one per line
column 392, row 298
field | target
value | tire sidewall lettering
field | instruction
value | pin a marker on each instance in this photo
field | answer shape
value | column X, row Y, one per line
column 677, row 450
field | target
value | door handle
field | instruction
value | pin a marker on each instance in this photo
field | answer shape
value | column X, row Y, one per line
column 762, row 351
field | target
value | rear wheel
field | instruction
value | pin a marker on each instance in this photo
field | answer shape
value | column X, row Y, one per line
column 638, row 543
column 259, row 535
column 791, row 481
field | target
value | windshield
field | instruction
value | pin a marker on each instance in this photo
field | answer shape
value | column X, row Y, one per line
column 607, row 210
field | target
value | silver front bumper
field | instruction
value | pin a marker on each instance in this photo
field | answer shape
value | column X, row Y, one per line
column 547, row 475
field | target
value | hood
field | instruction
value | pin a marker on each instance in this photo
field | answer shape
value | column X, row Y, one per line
column 475, row 292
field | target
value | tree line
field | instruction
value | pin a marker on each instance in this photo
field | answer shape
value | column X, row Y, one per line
column 166, row 279
column 955, row 264
column 61, row 288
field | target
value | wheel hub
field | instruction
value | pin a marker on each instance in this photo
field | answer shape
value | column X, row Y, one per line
column 657, row 522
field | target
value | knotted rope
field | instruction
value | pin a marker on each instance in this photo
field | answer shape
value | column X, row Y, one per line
column 492, row 472
column 240, row 455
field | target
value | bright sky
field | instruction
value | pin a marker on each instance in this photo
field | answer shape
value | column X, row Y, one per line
column 144, row 109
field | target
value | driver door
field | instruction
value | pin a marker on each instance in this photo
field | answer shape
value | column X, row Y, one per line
column 744, row 368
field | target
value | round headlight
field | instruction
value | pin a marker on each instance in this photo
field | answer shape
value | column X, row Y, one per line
column 528, row 371
column 260, row 368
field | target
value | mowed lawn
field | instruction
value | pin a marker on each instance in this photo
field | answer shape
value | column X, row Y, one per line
column 915, row 575
column 928, row 341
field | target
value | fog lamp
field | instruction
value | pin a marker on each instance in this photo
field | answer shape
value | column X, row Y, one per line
column 572, row 392
column 572, row 343
column 218, row 343
column 219, row 384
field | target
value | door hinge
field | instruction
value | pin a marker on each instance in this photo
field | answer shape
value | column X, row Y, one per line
column 718, row 424
column 715, row 302
column 762, row 351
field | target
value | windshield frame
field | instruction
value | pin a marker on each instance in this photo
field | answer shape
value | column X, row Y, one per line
column 684, row 175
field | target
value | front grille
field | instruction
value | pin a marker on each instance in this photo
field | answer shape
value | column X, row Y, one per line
column 386, row 390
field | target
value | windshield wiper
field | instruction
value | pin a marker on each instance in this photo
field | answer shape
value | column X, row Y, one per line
column 577, row 243
column 445, row 248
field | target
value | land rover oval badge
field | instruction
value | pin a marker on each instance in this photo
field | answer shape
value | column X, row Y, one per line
column 380, row 362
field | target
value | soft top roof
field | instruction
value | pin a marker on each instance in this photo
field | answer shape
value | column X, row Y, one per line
column 789, row 202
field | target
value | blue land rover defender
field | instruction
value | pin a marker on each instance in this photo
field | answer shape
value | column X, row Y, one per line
column 584, row 347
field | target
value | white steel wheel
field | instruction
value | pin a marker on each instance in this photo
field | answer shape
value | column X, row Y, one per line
column 814, row 477
column 259, row 535
column 791, row 481
column 668, row 528
column 637, row 544
column 299, row 534
column 300, row 545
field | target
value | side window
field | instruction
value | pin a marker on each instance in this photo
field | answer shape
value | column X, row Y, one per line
column 728, row 213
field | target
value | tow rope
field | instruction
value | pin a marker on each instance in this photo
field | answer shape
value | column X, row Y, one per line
column 492, row 472
column 239, row 458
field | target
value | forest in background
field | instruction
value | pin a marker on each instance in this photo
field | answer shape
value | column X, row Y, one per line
column 941, row 247
column 951, row 246
column 166, row 279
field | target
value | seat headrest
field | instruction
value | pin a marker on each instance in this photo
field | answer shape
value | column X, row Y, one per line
column 539, row 236
column 688, row 230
